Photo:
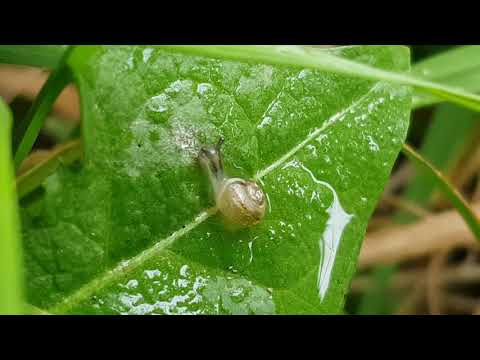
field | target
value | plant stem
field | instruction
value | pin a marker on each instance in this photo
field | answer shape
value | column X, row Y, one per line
column 449, row 190
column 11, row 279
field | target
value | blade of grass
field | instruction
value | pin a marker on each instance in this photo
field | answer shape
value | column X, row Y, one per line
column 459, row 67
column 29, row 128
column 320, row 59
column 449, row 63
column 64, row 154
column 11, row 279
column 48, row 56
column 458, row 201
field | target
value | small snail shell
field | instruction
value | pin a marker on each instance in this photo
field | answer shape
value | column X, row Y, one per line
column 241, row 202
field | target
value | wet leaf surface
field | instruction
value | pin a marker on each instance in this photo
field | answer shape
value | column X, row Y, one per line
column 128, row 232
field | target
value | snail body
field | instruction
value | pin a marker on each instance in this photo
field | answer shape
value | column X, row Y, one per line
column 241, row 202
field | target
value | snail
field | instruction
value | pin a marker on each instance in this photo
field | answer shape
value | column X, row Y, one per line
column 241, row 202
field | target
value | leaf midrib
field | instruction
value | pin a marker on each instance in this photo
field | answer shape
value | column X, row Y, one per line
column 133, row 263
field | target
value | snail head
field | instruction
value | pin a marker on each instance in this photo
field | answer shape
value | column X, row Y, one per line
column 210, row 159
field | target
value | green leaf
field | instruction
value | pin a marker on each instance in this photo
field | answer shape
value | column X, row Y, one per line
column 459, row 67
column 11, row 275
column 48, row 56
column 133, row 230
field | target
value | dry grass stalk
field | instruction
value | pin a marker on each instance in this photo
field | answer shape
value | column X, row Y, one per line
column 27, row 81
column 424, row 238
column 434, row 289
